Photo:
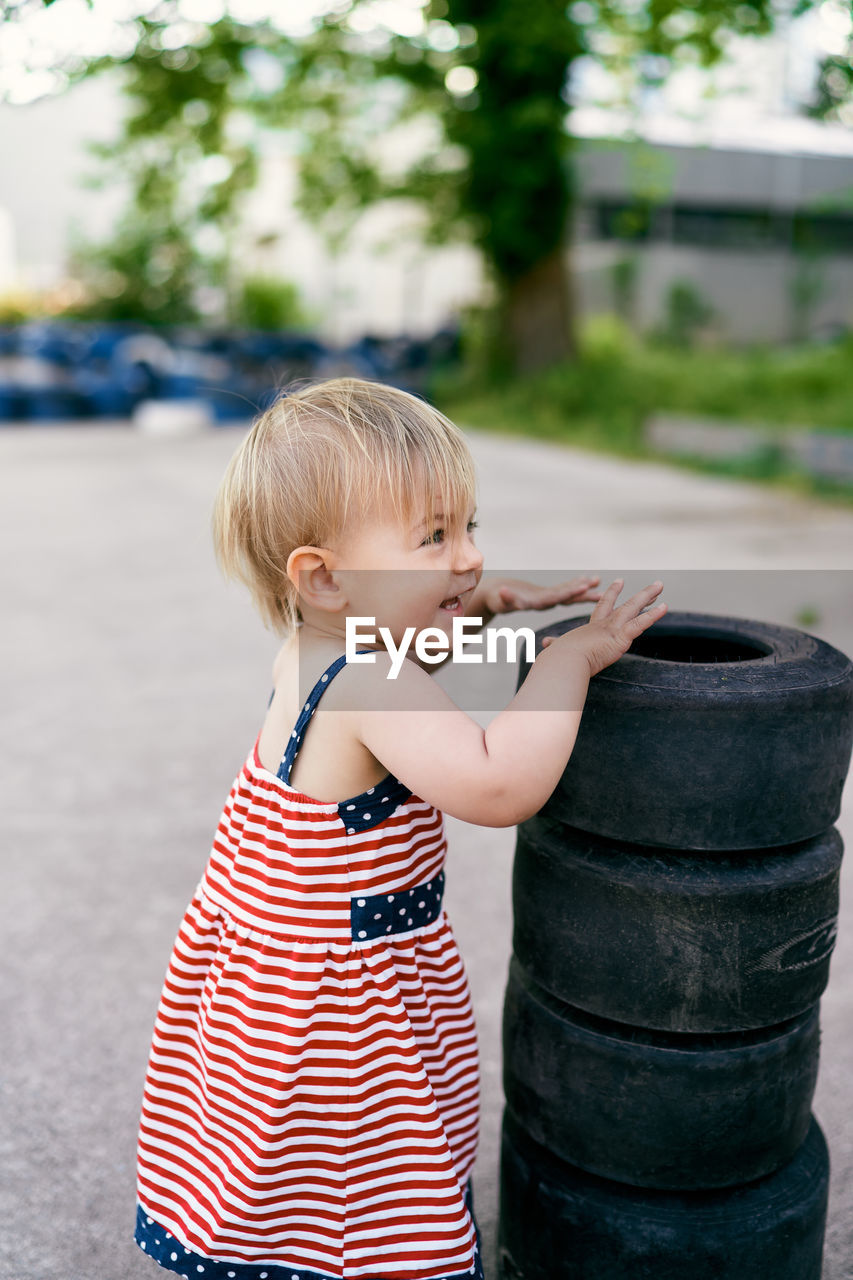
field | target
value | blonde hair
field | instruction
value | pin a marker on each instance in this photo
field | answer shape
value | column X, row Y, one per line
column 325, row 456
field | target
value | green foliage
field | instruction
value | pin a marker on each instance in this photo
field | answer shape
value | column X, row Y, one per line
column 186, row 167
column 606, row 338
column 149, row 271
column 15, row 308
column 602, row 401
column 685, row 312
column 834, row 86
column 484, row 361
column 624, row 275
column 264, row 302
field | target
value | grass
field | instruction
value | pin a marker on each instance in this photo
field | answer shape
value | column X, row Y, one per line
column 602, row 401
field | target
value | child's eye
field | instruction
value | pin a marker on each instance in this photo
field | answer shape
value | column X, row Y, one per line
column 472, row 524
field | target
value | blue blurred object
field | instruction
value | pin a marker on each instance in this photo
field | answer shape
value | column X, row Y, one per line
column 379, row 354
column 233, row 401
column 57, row 403
column 13, row 402
column 103, row 339
column 59, row 344
column 260, row 346
column 8, row 339
column 105, row 395
column 54, row 369
column 179, row 386
column 216, row 342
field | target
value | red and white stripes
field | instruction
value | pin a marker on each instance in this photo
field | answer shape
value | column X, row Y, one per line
column 312, row 1101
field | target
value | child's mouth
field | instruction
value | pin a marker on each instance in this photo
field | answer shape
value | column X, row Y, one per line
column 453, row 605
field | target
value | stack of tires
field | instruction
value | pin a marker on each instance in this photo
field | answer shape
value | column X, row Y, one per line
column 675, row 905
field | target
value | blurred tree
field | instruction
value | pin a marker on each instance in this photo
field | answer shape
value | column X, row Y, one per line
column 494, row 76
column 186, row 156
column 149, row 271
column 834, row 87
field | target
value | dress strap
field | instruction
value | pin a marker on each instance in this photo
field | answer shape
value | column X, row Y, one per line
column 298, row 731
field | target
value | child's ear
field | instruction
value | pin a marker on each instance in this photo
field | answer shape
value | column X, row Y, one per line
column 308, row 570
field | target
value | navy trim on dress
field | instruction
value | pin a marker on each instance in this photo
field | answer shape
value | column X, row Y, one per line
column 369, row 808
column 384, row 914
column 162, row 1246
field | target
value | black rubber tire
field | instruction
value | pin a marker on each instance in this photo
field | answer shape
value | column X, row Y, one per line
column 557, row 1223
column 675, row 941
column 710, row 733
column 654, row 1109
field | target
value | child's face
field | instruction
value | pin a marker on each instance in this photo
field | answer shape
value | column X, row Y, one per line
column 401, row 574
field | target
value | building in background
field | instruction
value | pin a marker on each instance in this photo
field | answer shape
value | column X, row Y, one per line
column 760, row 237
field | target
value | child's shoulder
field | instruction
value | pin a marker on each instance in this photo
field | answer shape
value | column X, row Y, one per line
column 333, row 759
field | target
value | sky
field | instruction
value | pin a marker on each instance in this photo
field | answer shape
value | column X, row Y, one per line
column 761, row 78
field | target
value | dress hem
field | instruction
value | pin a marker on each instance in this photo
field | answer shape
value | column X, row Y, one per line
column 168, row 1252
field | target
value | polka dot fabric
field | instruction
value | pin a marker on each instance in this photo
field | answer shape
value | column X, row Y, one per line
column 395, row 912
column 311, row 1103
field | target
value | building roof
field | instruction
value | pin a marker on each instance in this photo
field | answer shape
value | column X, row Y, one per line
column 716, row 164
column 786, row 134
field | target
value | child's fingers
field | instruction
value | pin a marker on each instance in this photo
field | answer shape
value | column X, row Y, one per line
column 509, row 599
column 650, row 615
column 604, row 605
column 652, row 590
column 613, row 590
column 643, row 597
column 574, row 589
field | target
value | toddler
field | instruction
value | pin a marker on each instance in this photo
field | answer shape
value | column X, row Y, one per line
column 310, row 1109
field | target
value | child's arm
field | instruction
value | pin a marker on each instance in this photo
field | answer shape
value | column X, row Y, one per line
column 502, row 775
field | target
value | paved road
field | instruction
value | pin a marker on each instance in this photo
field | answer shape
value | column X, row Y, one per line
column 134, row 680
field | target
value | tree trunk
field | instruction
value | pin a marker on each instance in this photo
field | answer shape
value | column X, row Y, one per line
column 539, row 317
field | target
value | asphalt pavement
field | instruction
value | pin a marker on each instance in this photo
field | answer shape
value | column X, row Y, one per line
column 134, row 680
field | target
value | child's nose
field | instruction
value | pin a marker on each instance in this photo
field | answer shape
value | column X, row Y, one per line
column 466, row 556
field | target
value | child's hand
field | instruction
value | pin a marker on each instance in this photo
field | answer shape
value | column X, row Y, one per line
column 610, row 632
column 505, row 595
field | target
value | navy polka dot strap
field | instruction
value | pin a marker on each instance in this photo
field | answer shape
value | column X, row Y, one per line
column 361, row 812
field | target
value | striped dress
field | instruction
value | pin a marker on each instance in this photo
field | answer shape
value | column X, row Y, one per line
column 311, row 1104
